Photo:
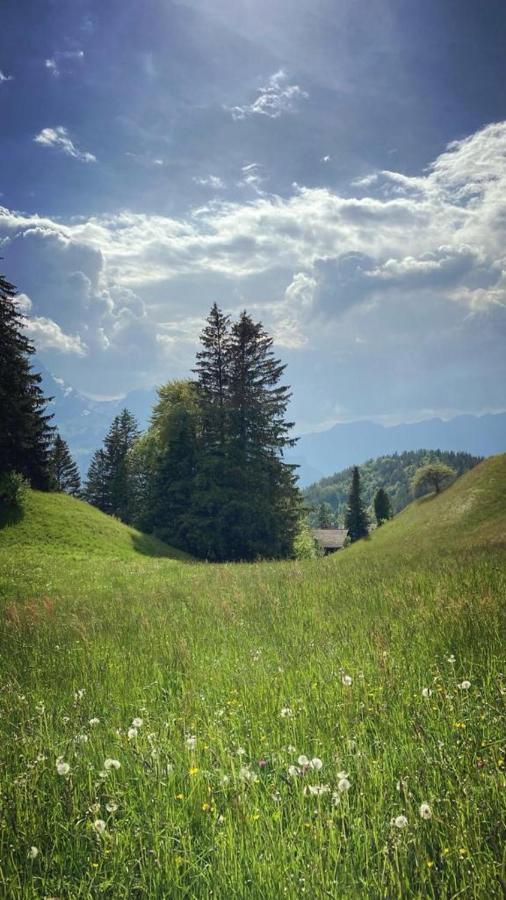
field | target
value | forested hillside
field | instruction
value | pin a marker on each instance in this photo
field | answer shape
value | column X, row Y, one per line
column 393, row 473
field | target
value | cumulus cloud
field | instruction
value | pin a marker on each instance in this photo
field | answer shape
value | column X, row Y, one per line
column 276, row 97
column 49, row 336
column 60, row 139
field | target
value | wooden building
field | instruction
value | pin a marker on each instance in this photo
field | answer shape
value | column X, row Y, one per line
column 330, row 539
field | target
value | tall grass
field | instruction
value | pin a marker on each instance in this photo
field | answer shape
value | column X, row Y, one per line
column 238, row 672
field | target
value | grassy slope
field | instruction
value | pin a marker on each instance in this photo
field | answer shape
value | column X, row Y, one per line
column 217, row 652
column 56, row 523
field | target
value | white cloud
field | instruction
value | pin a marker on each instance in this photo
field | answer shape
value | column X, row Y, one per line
column 4, row 78
column 145, row 159
column 49, row 336
column 212, row 181
column 60, row 139
column 274, row 99
column 61, row 58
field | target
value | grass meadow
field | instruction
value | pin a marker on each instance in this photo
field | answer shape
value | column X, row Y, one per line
column 323, row 728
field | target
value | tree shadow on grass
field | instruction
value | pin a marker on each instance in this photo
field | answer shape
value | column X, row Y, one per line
column 151, row 546
column 10, row 514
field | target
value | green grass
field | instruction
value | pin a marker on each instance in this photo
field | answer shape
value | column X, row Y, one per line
column 93, row 628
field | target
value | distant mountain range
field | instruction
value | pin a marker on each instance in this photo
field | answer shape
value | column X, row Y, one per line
column 352, row 443
column 84, row 423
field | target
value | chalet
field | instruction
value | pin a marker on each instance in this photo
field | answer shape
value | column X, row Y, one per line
column 330, row 539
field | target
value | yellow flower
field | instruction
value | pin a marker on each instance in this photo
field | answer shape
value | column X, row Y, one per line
column 430, row 863
column 179, row 796
column 206, row 807
column 463, row 852
column 179, row 860
column 193, row 771
column 255, row 817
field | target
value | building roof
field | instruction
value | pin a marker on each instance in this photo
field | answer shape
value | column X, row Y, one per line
column 330, row 538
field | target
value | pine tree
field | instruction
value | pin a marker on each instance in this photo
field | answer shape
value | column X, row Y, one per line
column 64, row 471
column 25, row 432
column 262, row 507
column 324, row 516
column 382, row 506
column 96, row 488
column 122, row 434
column 356, row 520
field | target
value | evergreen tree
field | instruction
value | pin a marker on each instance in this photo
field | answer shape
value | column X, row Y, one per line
column 382, row 506
column 262, row 508
column 25, row 432
column 122, row 434
column 324, row 516
column 64, row 471
column 356, row 520
column 96, row 489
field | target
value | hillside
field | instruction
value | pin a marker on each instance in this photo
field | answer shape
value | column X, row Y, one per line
column 59, row 524
column 393, row 473
column 326, row 728
column 469, row 516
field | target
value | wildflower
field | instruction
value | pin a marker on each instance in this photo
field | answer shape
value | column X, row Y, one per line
column 343, row 785
column 303, row 761
column 336, row 798
column 464, row 685
column 241, row 751
column 81, row 738
column 316, row 764
column 426, row 692
column 316, row 790
column 425, row 811
column 33, row 853
column 132, row 733
column 99, row 826
column 191, row 742
column 347, row 680
column 137, row 722
column 293, row 771
column 286, row 712
column 79, row 694
column 192, row 771
column 62, row 767
column 451, row 659
column 206, row 807
column 95, row 809
column 246, row 774
column 111, row 807
column 400, row 822
column 94, row 722
column 112, row 764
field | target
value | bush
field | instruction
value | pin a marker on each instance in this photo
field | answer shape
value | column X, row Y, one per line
column 12, row 489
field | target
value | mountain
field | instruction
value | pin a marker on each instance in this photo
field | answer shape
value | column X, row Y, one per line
column 352, row 443
column 84, row 422
column 393, row 473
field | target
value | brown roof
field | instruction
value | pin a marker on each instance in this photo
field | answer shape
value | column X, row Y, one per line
column 330, row 538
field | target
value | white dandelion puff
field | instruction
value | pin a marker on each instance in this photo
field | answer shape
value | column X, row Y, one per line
column 336, row 798
column 343, row 785
column 112, row 764
column 132, row 733
column 111, row 807
column 425, row 811
column 464, row 685
column 191, row 742
column 400, row 822
column 426, row 692
column 316, row 764
column 94, row 722
column 79, row 694
column 95, row 809
column 62, row 767
column 33, row 853
column 347, row 680
column 316, row 790
column 293, row 771
column 286, row 712
column 303, row 760
column 99, row 826
column 137, row 722
column 451, row 659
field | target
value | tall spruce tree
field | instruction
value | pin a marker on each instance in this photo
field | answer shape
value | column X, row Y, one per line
column 96, row 488
column 356, row 520
column 64, row 472
column 261, row 512
column 121, row 436
column 382, row 506
column 25, row 430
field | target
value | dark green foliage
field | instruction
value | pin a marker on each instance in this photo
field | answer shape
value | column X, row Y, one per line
column 324, row 516
column 12, row 489
column 96, row 488
column 63, row 469
column 393, row 473
column 432, row 477
column 25, row 432
column 382, row 506
column 107, row 482
column 356, row 520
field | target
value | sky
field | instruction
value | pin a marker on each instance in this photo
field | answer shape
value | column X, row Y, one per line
column 335, row 167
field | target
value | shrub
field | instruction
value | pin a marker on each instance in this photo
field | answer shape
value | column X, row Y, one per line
column 12, row 489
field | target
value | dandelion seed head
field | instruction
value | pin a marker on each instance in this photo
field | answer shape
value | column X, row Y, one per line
column 303, row 760
column 286, row 712
column 112, row 764
column 347, row 680
column 62, row 767
column 132, row 733
column 343, row 785
column 137, row 722
column 425, row 811
column 293, row 771
column 111, row 806
column 94, row 722
column 99, row 826
column 33, row 853
column 464, row 685
column 400, row 822
column 426, row 692
column 316, row 764
column 191, row 742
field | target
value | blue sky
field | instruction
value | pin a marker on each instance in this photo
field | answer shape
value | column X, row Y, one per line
column 337, row 168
